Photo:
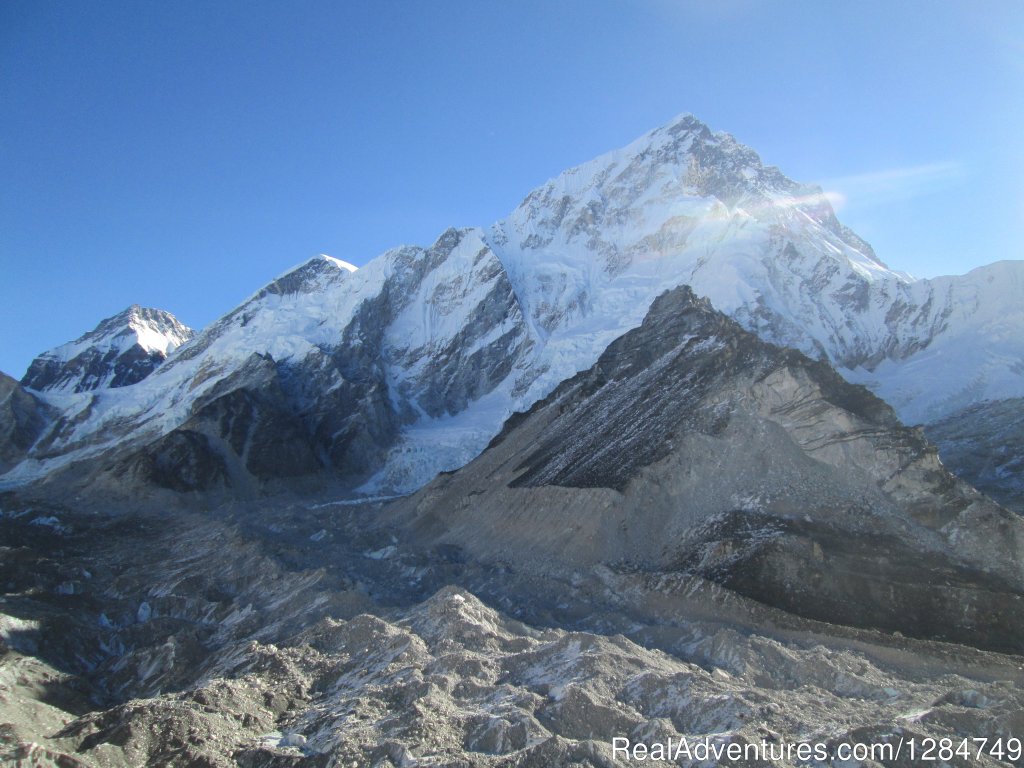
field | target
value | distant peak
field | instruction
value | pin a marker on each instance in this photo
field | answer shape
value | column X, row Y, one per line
column 124, row 317
column 120, row 350
column 134, row 316
column 314, row 274
column 683, row 129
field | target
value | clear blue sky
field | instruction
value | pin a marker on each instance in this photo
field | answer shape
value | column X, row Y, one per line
column 180, row 154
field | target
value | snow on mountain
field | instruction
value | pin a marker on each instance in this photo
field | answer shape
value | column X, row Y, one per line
column 588, row 251
column 974, row 354
column 341, row 359
column 121, row 350
column 686, row 205
column 410, row 365
column 692, row 444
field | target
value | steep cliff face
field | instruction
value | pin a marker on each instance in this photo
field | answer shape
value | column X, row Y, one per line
column 121, row 350
column 693, row 446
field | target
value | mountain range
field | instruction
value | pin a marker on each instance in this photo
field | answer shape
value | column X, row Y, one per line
column 649, row 458
column 384, row 376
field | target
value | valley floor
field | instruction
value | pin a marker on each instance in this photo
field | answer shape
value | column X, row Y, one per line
column 310, row 636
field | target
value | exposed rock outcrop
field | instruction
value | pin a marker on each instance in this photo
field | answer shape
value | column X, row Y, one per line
column 692, row 445
column 23, row 418
column 179, row 639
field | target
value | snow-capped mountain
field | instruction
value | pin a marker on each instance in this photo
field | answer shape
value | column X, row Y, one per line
column 121, row 350
column 409, row 366
column 745, row 544
column 774, row 529
column 685, row 205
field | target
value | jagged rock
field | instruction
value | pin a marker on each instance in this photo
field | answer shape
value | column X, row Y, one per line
column 23, row 418
column 260, row 649
column 692, row 445
column 984, row 444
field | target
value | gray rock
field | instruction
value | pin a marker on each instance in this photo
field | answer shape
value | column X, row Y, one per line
column 984, row 444
column 693, row 446
column 23, row 419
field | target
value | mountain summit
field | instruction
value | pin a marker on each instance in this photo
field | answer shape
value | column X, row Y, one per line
column 121, row 350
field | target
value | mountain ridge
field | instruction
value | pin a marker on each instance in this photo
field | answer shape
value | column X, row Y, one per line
column 662, row 520
column 539, row 295
column 693, row 446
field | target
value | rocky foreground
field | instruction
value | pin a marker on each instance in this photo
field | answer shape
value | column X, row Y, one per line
column 307, row 636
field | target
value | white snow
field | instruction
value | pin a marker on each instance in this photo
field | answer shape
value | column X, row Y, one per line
column 977, row 356
column 585, row 255
column 339, row 263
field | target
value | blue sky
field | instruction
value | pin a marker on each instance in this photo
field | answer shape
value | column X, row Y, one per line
column 181, row 154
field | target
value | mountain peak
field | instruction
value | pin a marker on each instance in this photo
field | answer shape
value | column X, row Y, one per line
column 340, row 264
column 121, row 350
column 311, row 275
column 687, row 125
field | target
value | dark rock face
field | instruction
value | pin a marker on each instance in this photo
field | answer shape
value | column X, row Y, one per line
column 984, row 444
column 445, row 378
column 23, row 418
column 242, row 432
column 867, row 580
column 92, row 368
column 114, row 354
column 465, row 369
column 692, row 446
column 182, row 461
column 649, row 385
